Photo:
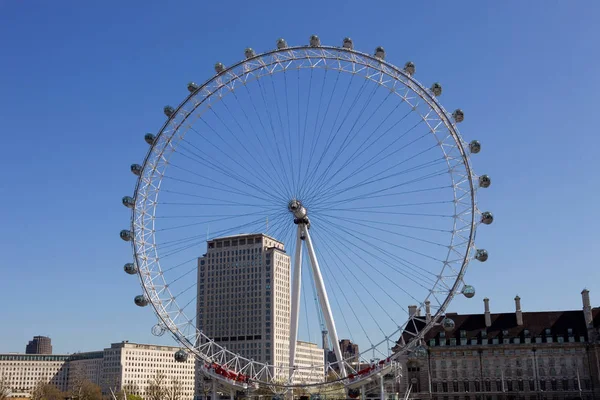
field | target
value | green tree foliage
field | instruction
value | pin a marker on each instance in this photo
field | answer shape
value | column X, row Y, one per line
column 47, row 391
column 83, row 389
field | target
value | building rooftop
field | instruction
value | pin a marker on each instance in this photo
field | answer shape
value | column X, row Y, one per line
column 127, row 343
column 307, row 343
column 242, row 235
column 504, row 325
column 559, row 323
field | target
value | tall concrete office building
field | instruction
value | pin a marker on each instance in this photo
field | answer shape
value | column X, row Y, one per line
column 244, row 296
column 39, row 345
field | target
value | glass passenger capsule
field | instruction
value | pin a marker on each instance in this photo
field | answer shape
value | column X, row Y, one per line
column 347, row 43
column 169, row 111
column 130, row 268
column 249, row 52
column 136, row 169
column 458, row 115
column 421, row 351
column 481, row 255
column 487, row 217
column 380, row 53
column 474, row 146
column 468, row 291
column 315, row 41
column 158, row 329
column 219, row 67
column 436, row 89
column 410, row 68
column 128, row 201
column 149, row 138
column 192, row 87
column 140, row 301
column 484, row 181
column 126, row 235
column 181, row 356
column 448, row 324
column 281, row 43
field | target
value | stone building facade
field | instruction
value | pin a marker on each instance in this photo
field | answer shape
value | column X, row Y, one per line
column 308, row 355
column 22, row 372
column 121, row 365
column 520, row 355
column 133, row 365
column 243, row 298
column 85, row 366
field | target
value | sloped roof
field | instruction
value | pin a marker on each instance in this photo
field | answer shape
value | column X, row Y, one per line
column 559, row 322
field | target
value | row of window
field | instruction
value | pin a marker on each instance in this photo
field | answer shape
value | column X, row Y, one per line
column 511, row 386
column 235, row 242
column 442, row 341
column 508, row 362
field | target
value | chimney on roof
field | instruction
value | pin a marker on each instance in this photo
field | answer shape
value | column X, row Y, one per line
column 412, row 311
column 427, row 311
column 587, row 307
column 518, row 310
column 488, row 317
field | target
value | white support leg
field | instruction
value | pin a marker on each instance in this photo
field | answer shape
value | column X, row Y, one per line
column 231, row 395
column 362, row 393
column 214, row 389
column 324, row 302
column 296, row 285
column 382, row 388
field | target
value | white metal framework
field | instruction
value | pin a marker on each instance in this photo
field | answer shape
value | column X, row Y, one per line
column 321, row 145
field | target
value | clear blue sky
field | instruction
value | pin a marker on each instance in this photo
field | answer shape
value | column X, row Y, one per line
column 81, row 84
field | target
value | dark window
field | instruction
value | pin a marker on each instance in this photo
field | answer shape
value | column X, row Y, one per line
column 521, row 386
column 554, row 384
column 543, row 385
column 444, row 387
column 455, row 386
column 488, row 386
column 510, row 386
column 467, row 386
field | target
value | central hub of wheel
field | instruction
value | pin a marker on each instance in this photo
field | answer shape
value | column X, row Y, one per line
column 300, row 213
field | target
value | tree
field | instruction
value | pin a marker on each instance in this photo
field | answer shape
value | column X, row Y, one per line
column 4, row 388
column 132, row 391
column 156, row 390
column 89, row 391
column 206, row 386
column 83, row 389
column 47, row 391
column 175, row 390
column 131, row 388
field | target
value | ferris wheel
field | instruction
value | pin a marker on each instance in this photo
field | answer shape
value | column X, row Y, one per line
column 302, row 196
